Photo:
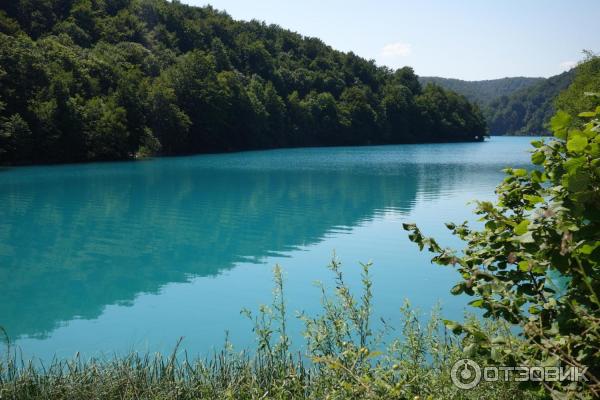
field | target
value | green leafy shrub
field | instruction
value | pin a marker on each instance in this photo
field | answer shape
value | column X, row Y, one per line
column 535, row 264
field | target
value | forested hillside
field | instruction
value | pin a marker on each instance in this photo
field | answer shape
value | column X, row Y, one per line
column 512, row 106
column 583, row 94
column 115, row 79
column 527, row 111
column 483, row 92
column 520, row 106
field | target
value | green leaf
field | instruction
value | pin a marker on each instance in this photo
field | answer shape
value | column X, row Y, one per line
column 573, row 164
column 457, row 289
column 526, row 238
column 559, row 124
column 534, row 310
column 498, row 340
column 533, row 199
column 538, row 157
column 477, row 303
column 587, row 114
column 519, row 172
column 537, row 176
column 578, row 181
column 523, row 266
column 588, row 248
column 538, row 269
column 537, row 143
column 577, row 144
column 522, row 227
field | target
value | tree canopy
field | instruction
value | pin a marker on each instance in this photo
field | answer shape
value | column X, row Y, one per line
column 512, row 106
column 527, row 111
column 115, row 79
column 486, row 91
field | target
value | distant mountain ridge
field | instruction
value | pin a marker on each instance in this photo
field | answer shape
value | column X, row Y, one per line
column 512, row 106
column 483, row 92
column 528, row 110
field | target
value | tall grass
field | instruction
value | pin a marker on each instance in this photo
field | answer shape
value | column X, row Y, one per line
column 344, row 359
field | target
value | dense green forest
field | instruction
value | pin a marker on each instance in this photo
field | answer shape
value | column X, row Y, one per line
column 512, row 106
column 527, row 111
column 483, row 92
column 114, row 79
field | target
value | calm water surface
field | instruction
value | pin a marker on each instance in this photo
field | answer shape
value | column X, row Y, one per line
column 112, row 257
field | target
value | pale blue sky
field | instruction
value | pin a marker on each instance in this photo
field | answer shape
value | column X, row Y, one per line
column 465, row 39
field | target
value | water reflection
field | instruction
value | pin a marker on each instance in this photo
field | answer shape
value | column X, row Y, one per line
column 74, row 239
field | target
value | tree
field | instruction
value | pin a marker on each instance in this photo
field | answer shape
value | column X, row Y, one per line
column 355, row 104
column 168, row 123
column 106, row 130
column 15, row 139
column 399, row 108
column 406, row 77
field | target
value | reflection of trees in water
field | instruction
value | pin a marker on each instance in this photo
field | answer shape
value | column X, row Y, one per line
column 73, row 242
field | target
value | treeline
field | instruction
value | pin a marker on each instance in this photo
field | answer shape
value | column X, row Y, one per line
column 524, row 106
column 527, row 111
column 114, row 79
column 511, row 106
column 483, row 92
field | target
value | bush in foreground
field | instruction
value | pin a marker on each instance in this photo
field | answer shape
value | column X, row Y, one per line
column 535, row 264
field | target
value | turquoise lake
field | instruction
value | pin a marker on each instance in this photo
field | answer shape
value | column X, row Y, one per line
column 106, row 258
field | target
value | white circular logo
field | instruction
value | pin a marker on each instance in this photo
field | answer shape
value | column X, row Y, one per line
column 465, row 374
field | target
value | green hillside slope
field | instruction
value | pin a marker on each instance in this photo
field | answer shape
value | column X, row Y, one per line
column 483, row 92
column 115, row 79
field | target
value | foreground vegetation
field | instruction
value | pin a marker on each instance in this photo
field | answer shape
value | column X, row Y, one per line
column 115, row 79
column 346, row 358
column 535, row 264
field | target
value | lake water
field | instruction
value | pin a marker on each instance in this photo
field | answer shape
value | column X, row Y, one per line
column 112, row 257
